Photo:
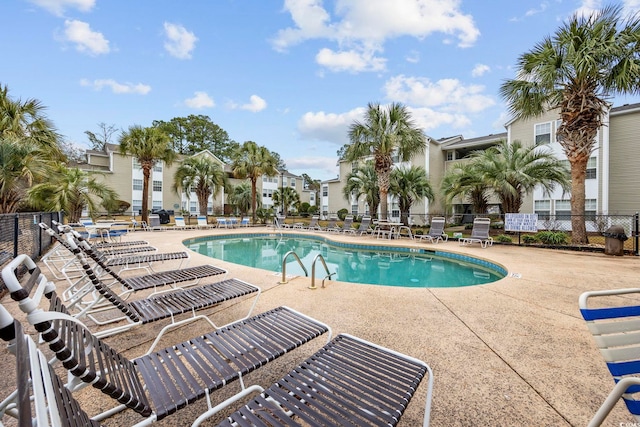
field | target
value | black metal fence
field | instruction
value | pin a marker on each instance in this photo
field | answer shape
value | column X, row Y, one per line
column 21, row 234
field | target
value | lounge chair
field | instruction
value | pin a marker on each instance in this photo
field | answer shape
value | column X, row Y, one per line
column 203, row 223
column 614, row 322
column 221, row 222
column 134, row 313
column 365, row 226
column 347, row 225
column 161, row 382
column 479, row 233
column 279, row 222
column 313, row 224
column 436, row 231
column 348, row 382
column 245, row 222
column 332, row 225
column 181, row 224
column 41, row 399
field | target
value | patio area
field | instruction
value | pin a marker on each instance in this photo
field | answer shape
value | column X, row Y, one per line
column 513, row 352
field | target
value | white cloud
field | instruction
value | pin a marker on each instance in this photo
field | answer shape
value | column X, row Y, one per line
column 313, row 165
column 352, row 61
column 255, row 104
column 413, row 57
column 180, row 42
column 86, row 40
column 57, row 7
column 363, row 26
column 200, row 100
column 116, row 87
column 330, row 127
column 479, row 70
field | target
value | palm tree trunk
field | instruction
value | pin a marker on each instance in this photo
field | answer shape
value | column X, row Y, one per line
column 253, row 199
column 578, row 224
column 203, row 201
column 146, row 174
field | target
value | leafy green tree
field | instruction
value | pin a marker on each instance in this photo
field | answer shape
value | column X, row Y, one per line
column 22, row 163
column 460, row 181
column 385, row 131
column 287, row 198
column 201, row 175
column 103, row 137
column 148, row 145
column 363, row 182
column 194, row 133
column 240, row 197
column 577, row 70
column 71, row 190
column 25, row 122
column 251, row 162
column 512, row 170
column 409, row 184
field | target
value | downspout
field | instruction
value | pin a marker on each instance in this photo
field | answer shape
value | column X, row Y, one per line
column 604, row 176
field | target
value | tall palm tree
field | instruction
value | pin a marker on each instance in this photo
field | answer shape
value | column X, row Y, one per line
column 461, row 181
column 409, row 184
column 149, row 146
column 240, row 197
column 363, row 182
column 253, row 161
column 201, row 175
column 286, row 197
column 512, row 170
column 71, row 190
column 385, row 132
column 26, row 122
column 21, row 164
column 577, row 70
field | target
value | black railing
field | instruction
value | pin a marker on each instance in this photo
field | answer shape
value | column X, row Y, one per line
column 21, row 234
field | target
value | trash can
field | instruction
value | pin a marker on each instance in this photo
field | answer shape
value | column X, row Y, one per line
column 164, row 216
column 614, row 238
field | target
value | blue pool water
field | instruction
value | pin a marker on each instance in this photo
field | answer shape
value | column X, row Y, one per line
column 422, row 268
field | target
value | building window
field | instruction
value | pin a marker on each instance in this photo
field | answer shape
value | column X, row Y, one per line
column 293, row 182
column 136, row 206
column 137, row 184
column 563, row 210
column 156, row 205
column 451, row 155
column 325, row 190
column 157, row 167
column 395, row 210
column 543, row 133
column 542, row 208
column 325, row 209
column 395, row 157
column 157, row 185
column 136, row 165
column 590, row 208
column 210, row 208
column 592, row 168
column 354, row 209
column 193, row 206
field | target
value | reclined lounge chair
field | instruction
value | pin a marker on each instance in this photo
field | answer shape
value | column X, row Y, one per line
column 613, row 317
column 162, row 382
column 479, row 233
column 436, row 231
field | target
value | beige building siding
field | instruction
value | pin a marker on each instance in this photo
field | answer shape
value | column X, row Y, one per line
column 624, row 152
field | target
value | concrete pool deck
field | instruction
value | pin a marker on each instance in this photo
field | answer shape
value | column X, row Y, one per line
column 509, row 353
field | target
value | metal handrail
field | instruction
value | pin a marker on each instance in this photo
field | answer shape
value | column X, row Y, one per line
column 284, row 265
column 313, row 271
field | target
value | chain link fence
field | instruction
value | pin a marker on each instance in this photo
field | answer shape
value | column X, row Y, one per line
column 21, row 234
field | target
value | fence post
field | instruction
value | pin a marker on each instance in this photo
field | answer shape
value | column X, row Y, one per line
column 636, row 222
column 15, row 236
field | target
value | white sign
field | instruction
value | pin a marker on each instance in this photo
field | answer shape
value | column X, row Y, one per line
column 521, row 222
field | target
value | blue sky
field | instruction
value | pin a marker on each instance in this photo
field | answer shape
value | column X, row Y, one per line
column 290, row 75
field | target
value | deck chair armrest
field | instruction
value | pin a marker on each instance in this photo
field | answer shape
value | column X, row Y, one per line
column 616, row 393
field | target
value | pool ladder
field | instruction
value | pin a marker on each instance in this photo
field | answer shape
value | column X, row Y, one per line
column 306, row 273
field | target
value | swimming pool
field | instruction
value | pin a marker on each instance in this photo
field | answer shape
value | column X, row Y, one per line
column 356, row 263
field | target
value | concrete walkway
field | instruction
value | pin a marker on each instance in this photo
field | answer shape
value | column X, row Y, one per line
column 512, row 353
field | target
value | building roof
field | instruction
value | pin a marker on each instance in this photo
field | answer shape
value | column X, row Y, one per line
column 626, row 108
column 480, row 141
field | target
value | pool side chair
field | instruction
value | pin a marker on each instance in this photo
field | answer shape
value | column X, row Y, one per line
column 313, row 224
column 41, row 399
column 613, row 318
column 436, row 231
column 279, row 222
column 348, row 382
column 365, row 226
column 160, row 383
column 203, row 223
column 181, row 224
column 347, row 225
column 245, row 222
column 332, row 225
column 479, row 233
column 221, row 222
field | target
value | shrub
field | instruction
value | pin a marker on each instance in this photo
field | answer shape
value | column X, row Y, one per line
column 503, row 238
column 552, row 237
column 342, row 213
column 418, row 232
column 529, row 239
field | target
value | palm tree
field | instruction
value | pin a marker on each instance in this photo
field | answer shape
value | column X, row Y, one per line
column 25, row 121
column 286, row 198
column 363, row 182
column 21, row 164
column 252, row 162
column 240, row 197
column 201, row 175
column 71, row 190
column 149, row 146
column 462, row 181
column 512, row 170
column 385, row 132
column 589, row 59
column 409, row 184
